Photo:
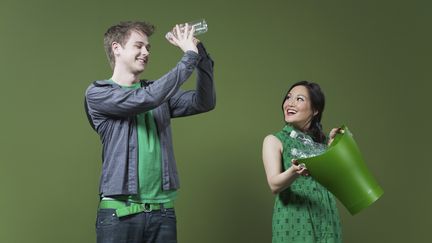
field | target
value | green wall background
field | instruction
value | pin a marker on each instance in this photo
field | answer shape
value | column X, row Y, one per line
column 372, row 58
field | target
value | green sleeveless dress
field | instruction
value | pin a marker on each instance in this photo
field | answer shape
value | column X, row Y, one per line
column 304, row 212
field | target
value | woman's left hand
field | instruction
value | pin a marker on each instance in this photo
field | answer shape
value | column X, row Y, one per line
column 333, row 133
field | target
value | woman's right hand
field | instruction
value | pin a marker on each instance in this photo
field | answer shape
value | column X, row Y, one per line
column 299, row 169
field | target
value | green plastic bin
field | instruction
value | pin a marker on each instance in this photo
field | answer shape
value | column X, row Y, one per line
column 342, row 170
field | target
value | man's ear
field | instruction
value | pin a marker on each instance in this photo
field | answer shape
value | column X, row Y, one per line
column 115, row 46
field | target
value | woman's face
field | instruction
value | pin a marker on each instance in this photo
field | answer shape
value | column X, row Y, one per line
column 297, row 108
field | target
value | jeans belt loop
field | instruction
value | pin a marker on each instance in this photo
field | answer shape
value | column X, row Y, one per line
column 163, row 210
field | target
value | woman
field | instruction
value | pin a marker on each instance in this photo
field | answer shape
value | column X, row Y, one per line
column 304, row 210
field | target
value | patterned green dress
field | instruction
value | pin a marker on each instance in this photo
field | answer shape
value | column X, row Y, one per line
column 304, row 212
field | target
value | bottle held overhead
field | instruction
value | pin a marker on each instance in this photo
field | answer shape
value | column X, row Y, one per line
column 200, row 27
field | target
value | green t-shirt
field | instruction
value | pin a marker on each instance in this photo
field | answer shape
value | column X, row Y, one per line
column 149, row 161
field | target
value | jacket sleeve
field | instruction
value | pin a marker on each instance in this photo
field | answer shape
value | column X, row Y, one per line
column 115, row 101
column 203, row 98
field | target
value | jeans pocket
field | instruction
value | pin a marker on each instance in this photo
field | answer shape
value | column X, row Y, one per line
column 106, row 217
column 170, row 213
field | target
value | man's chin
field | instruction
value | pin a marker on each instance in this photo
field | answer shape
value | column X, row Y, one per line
column 139, row 70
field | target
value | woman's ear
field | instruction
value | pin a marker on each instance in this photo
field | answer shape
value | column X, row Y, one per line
column 315, row 113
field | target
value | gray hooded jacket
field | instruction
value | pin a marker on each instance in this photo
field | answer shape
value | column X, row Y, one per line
column 112, row 111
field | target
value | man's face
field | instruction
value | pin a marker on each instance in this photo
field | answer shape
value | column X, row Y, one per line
column 133, row 56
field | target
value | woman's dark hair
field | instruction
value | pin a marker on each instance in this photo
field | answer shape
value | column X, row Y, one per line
column 317, row 102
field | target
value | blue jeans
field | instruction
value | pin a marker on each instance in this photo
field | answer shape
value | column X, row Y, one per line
column 157, row 226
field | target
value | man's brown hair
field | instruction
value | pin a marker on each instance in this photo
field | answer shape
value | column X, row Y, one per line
column 120, row 33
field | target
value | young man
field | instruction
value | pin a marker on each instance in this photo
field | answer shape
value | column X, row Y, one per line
column 132, row 116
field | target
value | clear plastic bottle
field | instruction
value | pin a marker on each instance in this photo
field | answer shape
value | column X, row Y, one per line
column 200, row 27
column 312, row 148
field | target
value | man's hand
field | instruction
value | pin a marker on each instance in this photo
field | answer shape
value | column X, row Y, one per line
column 183, row 38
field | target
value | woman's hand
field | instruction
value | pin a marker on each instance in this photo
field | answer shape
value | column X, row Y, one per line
column 333, row 133
column 299, row 169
